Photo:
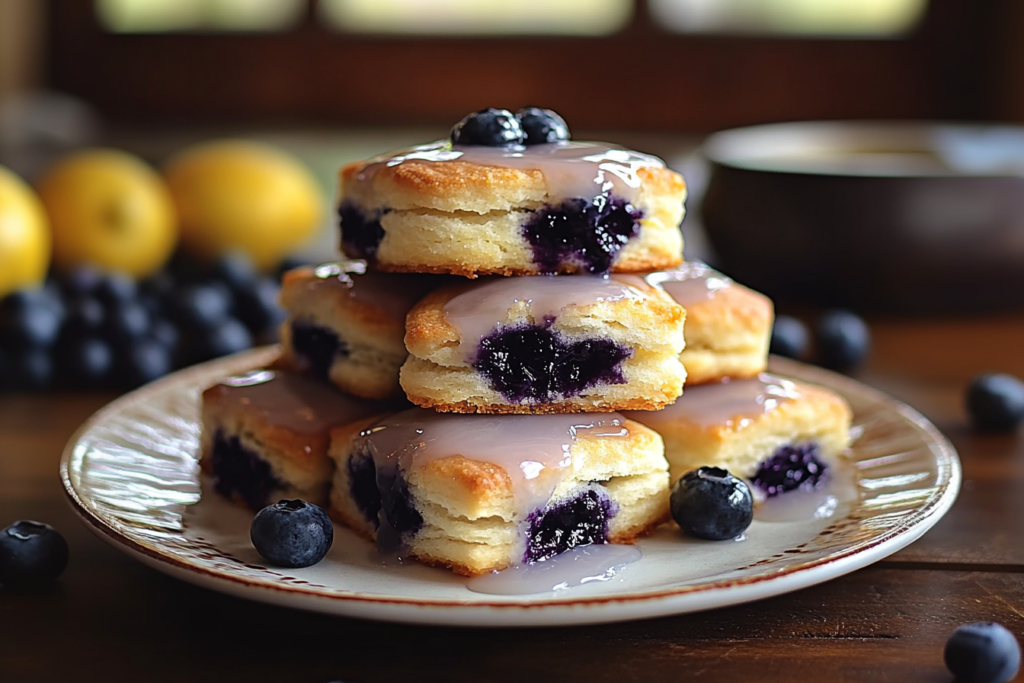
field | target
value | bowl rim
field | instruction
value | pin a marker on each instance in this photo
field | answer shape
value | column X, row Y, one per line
column 786, row 148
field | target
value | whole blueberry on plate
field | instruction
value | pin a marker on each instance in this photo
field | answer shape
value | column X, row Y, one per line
column 292, row 533
column 984, row 652
column 31, row 554
column 710, row 503
column 542, row 126
column 843, row 340
column 489, row 128
column 789, row 337
column 995, row 402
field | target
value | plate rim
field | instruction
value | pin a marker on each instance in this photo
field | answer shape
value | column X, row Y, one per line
column 579, row 610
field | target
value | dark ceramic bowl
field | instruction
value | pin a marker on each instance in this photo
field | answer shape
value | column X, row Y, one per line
column 874, row 216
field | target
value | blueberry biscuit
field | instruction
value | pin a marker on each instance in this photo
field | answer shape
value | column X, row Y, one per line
column 346, row 326
column 512, row 204
column 777, row 434
column 728, row 327
column 545, row 345
column 480, row 493
column 265, row 435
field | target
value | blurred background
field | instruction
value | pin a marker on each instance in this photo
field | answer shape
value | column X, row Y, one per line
column 324, row 82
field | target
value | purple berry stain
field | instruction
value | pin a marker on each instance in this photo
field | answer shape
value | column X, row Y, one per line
column 237, row 471
column 317, row 346
column 361, row 233
column 533, row 364
column 362, row 485
column 791, row 467
column 579, row 521
column 586, row 234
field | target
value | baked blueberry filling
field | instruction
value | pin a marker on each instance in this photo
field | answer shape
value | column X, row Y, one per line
column 362, row 486
column 361, row 233
column 796, row 466
column 237, row 471
column 318, row 346
column 533, row 364
column 585, row 234
column 579, row 521
column 396, row 503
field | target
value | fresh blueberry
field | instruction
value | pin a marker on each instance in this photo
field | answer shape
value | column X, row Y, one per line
column 82, row 281
column 542, row 125
column 31, row 554
column 710, row 503
column 789, row 337
column 292, row 533
column 258, row 308
column 115, row 288
column 236, row 270
column 995, row 402
column 85, row 361
column 843, row 340
column 85, row 316
column 985, row 652
column 28, row 321
column 144, row 361
column 489, row 128
column 230, row 336
column 201, row 307
column 126, row 322
column 31, row 369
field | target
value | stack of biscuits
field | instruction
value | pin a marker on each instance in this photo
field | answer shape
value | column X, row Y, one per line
column 494, row 378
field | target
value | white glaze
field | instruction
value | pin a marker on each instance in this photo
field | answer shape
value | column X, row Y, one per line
column 571, row 169
column 291, row 401
column 395, row 293
column 535, row 450
column 691, row 283
column 477, row 312
column 576, row 567
column 731, row 403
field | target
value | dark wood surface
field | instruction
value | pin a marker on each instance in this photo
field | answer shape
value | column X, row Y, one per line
column 112, row 619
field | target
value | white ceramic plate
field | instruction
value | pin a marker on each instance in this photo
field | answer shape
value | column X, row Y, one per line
column 132, row 476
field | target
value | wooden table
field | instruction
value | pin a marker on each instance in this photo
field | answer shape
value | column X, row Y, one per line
column 111, row 619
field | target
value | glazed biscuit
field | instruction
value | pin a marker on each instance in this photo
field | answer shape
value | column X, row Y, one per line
column 564, row 207
column 777, row 434
column 728, row 327
column 347, row 326
column 585, row 343
column 482, row 493
column 265, row 435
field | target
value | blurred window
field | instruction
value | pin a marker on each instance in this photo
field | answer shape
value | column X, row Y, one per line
column 853, row 18
column 437, row 17
column 165, row 16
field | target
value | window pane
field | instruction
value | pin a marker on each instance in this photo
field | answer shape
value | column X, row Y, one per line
column 566, row 17
column 162, row 16
column 790, row 17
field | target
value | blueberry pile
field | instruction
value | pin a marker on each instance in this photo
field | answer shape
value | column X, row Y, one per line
column 501, row 128
column 843, row 339
column 92, row 330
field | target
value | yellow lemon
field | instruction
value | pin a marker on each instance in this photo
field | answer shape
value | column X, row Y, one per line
column 110, row 210
column 239, row 195
column 24, row 235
